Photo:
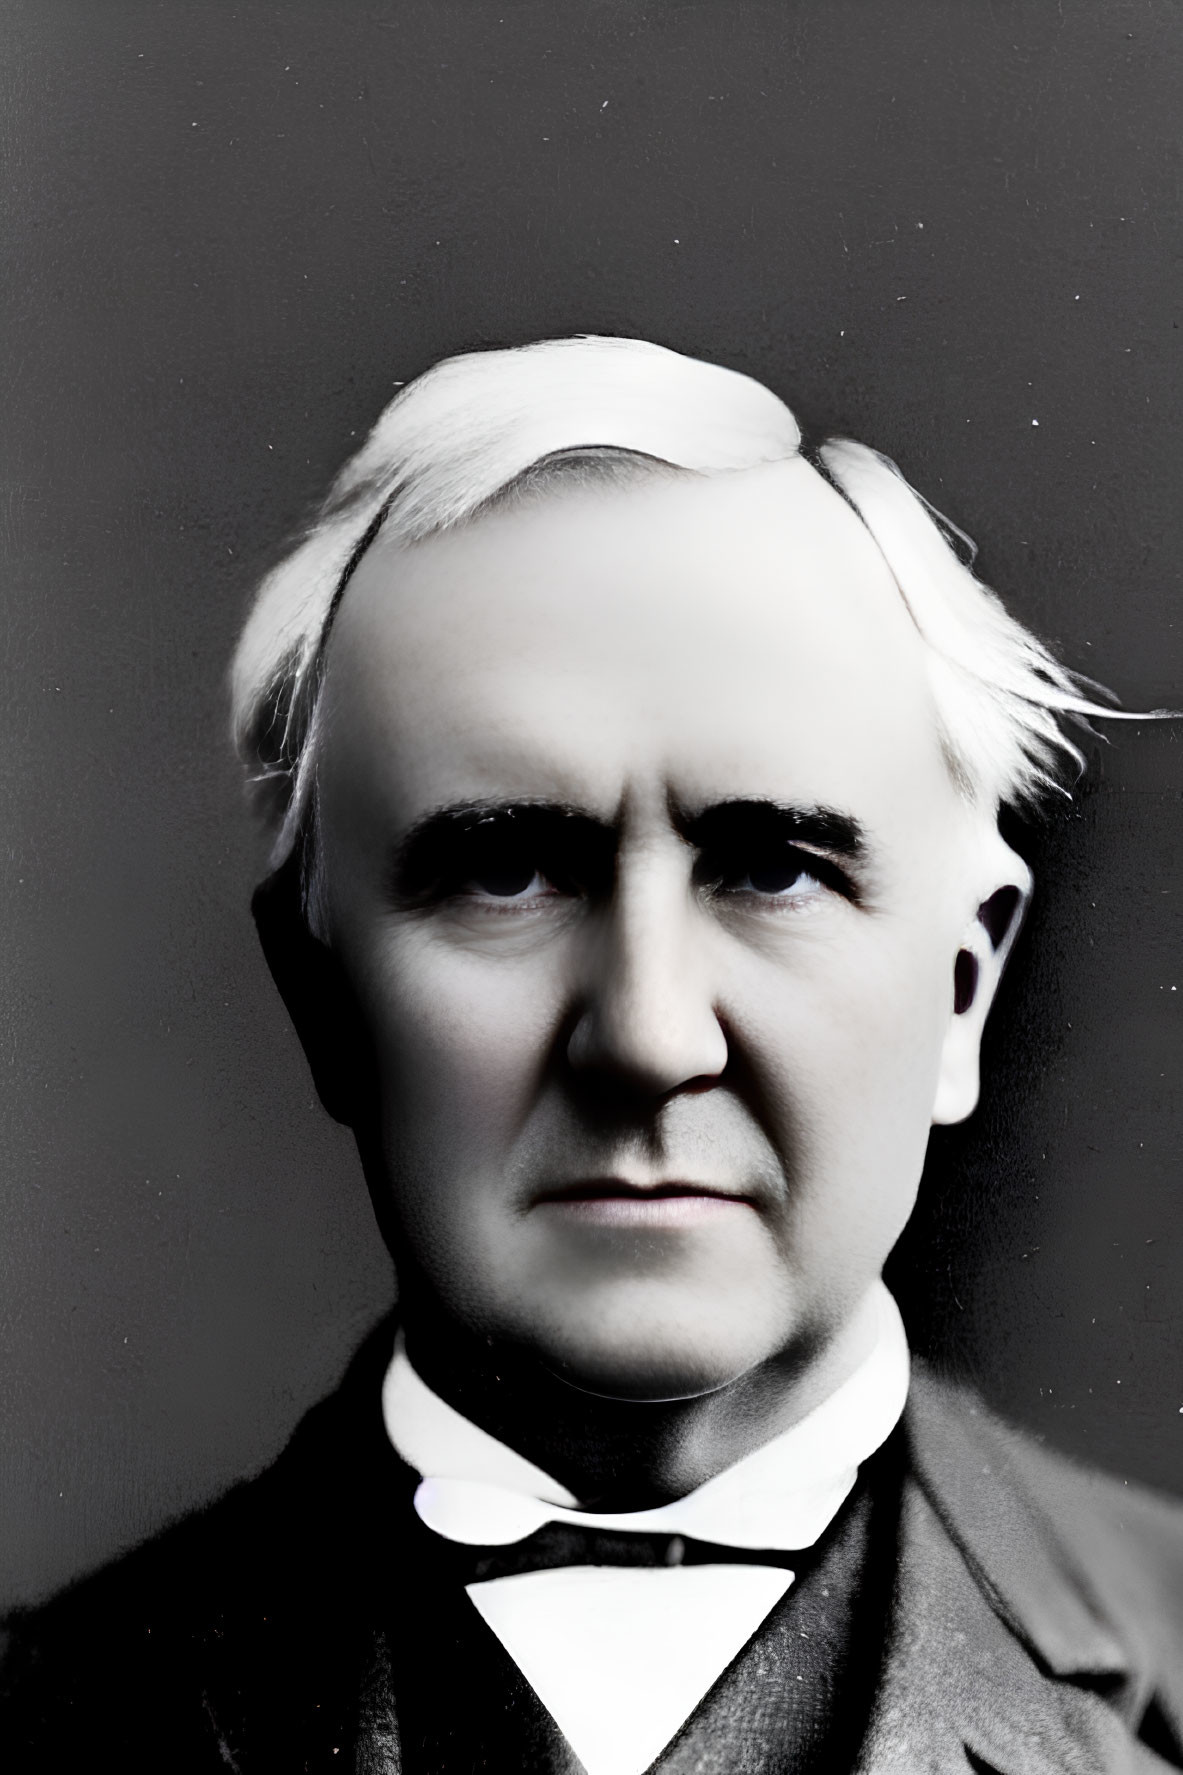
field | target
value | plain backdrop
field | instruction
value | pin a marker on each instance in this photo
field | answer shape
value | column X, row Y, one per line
column 951, row 228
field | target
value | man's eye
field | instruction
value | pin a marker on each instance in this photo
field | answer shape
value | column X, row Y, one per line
column 498, row 866
column 509, row 880
column 782, row 874
column 501, row 859
column 779, row 875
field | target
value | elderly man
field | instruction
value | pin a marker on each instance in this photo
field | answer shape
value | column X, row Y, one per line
column 634, row 771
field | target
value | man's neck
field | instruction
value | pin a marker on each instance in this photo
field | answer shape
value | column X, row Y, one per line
column 626, row 1454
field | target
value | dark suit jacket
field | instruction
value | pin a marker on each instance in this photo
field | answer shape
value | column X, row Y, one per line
column 1036, row 1628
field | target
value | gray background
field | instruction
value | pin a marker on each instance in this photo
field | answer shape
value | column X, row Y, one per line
column 230, row 229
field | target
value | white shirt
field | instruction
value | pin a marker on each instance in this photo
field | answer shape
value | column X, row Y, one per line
column 621, row 1656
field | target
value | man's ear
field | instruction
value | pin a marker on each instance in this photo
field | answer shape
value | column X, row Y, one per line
column 977, row 971
column 319, row 1000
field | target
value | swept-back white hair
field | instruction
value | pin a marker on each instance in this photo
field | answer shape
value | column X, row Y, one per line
column 474, row 427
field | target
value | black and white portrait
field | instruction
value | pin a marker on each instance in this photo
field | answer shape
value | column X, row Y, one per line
column 592, row 1125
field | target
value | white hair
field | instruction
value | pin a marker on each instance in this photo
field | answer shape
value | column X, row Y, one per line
column 476, row 427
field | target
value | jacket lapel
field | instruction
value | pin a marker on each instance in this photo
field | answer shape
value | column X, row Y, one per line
column 377, row 1749
column 999, row 1660
column 295, row 1669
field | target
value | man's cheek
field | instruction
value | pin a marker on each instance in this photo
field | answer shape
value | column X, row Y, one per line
column 842, row 1089
column 452, row 1098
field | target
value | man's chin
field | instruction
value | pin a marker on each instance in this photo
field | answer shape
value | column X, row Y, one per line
column 660, row 1367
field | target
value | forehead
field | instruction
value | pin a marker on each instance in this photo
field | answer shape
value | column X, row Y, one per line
column 711, row 636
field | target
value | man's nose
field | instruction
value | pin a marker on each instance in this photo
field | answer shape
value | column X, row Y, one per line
column 647, row 1014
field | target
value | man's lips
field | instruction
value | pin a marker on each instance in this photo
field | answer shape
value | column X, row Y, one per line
column 613, row 1202
column 597, row 1188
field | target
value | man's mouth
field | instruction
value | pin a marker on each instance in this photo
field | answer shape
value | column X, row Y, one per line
column 611, row 1201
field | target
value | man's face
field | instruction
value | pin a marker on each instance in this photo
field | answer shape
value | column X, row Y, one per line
column 646, row 868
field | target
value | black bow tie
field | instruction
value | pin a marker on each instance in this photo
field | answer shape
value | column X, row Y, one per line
column 567, row 1544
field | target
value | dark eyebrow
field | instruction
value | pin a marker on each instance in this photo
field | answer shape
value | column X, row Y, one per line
column 727, row 823
column 435, row 844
